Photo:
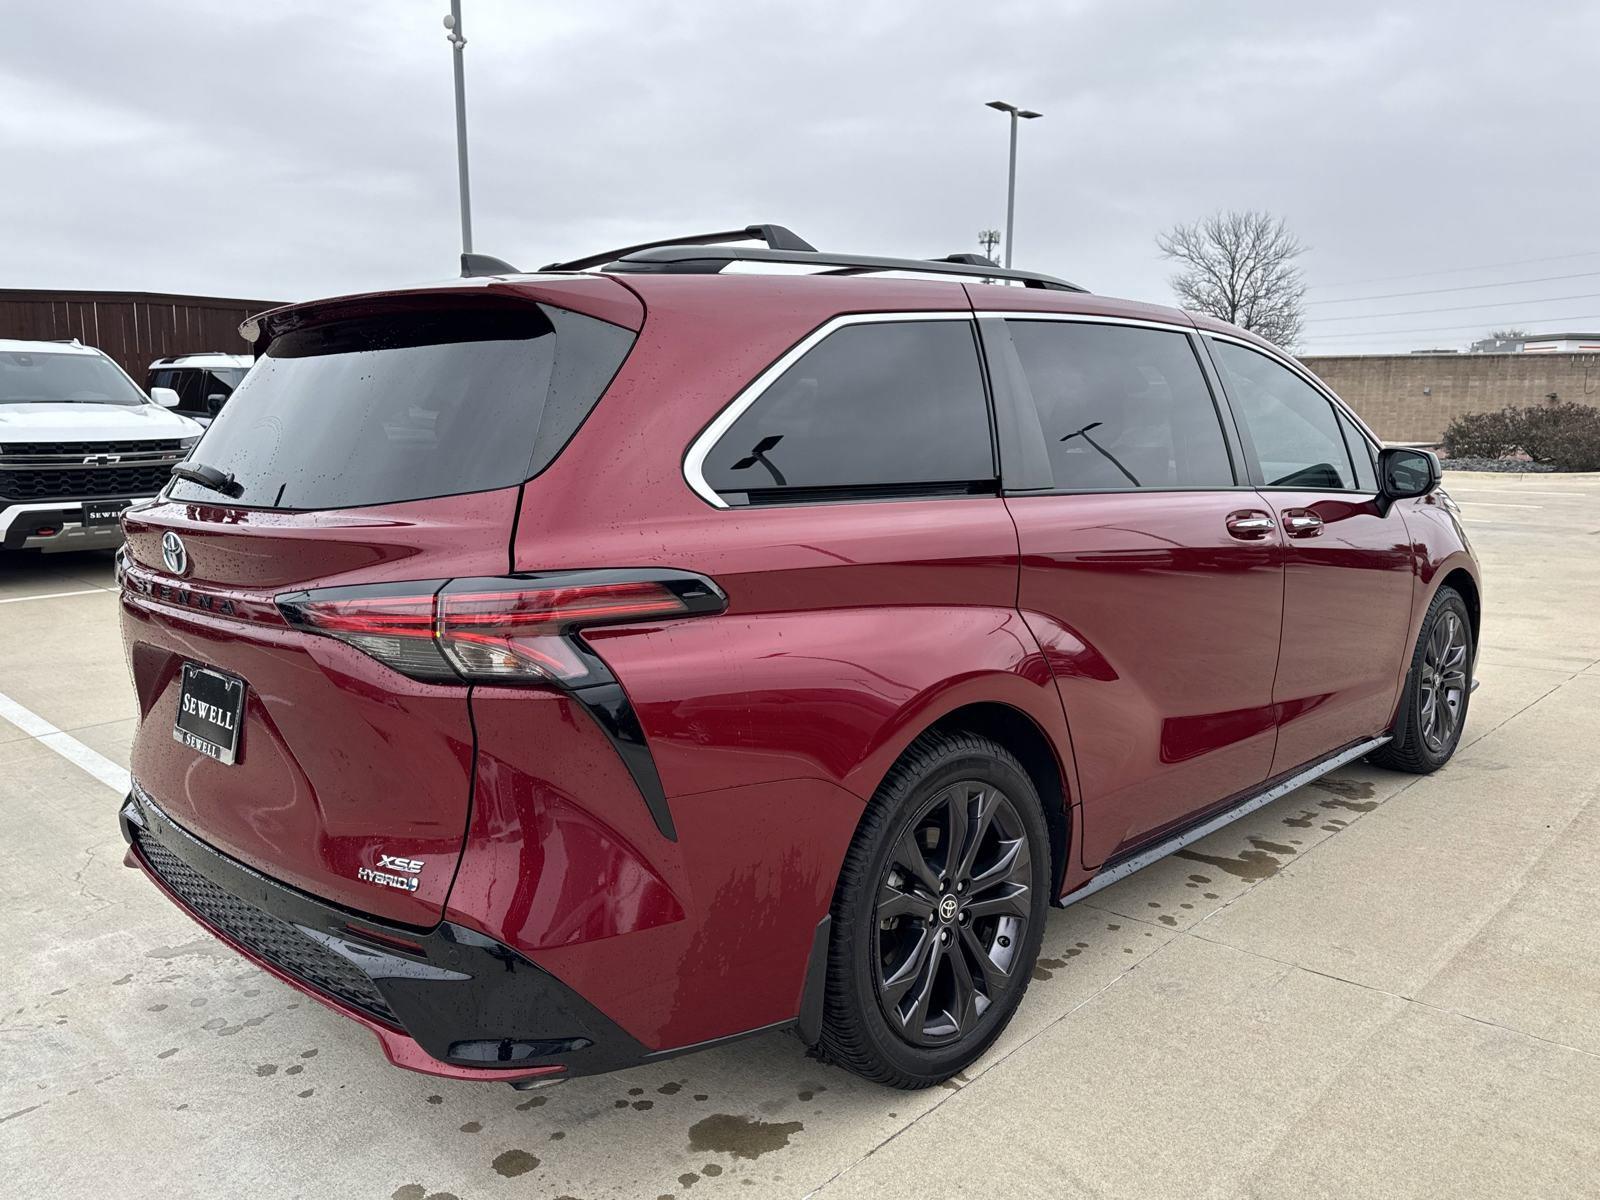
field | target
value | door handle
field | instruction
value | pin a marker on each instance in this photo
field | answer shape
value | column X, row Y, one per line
column 1301, row 522
column 1250, row 524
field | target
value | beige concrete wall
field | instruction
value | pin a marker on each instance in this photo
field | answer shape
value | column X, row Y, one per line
column 1412, row 397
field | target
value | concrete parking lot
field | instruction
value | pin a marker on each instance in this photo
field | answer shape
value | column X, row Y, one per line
column 1379, row 985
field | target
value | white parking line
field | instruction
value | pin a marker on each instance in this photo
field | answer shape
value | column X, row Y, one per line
column 64, row 744
column 51, row 595
column 1522, row 491
column 1470, row 504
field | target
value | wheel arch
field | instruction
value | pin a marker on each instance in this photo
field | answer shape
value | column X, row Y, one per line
column 1017, row 732
column 1046, row 761
column 1466, row 585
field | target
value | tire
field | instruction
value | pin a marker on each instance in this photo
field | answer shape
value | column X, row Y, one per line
column 917, row 995
column 1433, row 704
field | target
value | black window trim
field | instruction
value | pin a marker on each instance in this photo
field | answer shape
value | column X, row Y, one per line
column 1272, row 354
column 694, row 458
column 1019, row 484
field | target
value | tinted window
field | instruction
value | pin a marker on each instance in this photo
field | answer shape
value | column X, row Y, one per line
column 1121, row 407
column 186, row 383
column 887, row 408
column 37, row 377
column 399, row 408
column 1292, row 424
column 1361, row 453
column 216, row 386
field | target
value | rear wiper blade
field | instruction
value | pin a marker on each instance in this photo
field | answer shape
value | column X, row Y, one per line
column 209, row 477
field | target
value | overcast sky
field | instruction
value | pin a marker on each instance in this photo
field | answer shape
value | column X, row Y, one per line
column 283, row 150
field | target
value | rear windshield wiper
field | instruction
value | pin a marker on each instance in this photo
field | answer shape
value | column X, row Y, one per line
column 209, row 477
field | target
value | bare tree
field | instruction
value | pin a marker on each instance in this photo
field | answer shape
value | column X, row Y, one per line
column 1240, row 266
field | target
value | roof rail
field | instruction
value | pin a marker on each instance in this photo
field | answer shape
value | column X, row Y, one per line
column 681, row 259
column 172, row 358
column 775, row 236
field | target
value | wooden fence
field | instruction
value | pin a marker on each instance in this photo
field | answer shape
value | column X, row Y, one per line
column 135, row 328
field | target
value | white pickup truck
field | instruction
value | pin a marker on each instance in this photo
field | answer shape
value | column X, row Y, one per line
column 79, row 442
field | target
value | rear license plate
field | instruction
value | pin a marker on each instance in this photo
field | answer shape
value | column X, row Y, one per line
column 210, row 707
column 108, row 513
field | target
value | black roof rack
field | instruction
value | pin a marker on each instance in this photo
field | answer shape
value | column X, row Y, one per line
column 708, row 260
column 172, row 358
column 775, row 236
column 707, row 254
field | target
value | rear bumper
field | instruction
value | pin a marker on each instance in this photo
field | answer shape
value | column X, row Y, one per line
column 446, row 1001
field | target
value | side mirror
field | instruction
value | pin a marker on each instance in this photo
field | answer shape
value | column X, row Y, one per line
column 165, row 397
column 1404, row 473
column 215, row 401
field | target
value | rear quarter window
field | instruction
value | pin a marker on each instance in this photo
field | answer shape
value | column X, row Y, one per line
column 408, row 407
column 879, row 409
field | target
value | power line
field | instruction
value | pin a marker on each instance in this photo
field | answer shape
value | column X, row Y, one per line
column 1520, row 262
column 1412, row 312
column 1465, row 287
column 1377, row 333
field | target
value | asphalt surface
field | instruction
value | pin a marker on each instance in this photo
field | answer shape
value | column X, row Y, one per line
column 1379, row 985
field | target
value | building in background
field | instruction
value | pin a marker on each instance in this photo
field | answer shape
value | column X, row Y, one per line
column 1539, row 343
column 1557, row 343
column 1412, row 397
column 134, row 328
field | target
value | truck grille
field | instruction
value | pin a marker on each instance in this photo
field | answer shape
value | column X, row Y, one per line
column 77, row 483
column 265, row 935
column 160, row 445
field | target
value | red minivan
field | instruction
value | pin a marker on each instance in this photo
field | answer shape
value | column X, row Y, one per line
column 558, row 671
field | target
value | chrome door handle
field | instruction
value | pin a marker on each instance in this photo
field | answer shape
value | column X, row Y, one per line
column 1250, row 524
column 1301, row 522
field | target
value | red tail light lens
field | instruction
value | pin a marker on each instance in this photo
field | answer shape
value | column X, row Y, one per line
column 512, row 630
column 393, row 625
column 518, row 635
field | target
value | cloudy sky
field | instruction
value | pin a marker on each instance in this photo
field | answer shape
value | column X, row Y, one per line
column 1427, row 153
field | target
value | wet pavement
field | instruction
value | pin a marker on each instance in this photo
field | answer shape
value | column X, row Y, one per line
column 1379, row 985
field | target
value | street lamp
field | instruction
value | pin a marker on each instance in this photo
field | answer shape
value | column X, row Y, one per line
column 452, row 25
column 1025, row 114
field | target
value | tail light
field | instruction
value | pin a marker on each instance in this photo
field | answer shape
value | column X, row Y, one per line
column 521, row 629
column 516, row 630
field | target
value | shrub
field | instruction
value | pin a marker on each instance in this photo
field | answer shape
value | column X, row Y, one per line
column 1563, row 433
column 1483, row 435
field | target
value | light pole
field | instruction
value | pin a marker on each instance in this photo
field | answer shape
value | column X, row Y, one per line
column 452, row 24
column 1011, row 178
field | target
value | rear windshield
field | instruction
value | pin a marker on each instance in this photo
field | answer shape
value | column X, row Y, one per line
column 406, row 407
column 31, row 377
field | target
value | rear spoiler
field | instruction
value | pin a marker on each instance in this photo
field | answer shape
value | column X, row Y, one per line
column 592, row 295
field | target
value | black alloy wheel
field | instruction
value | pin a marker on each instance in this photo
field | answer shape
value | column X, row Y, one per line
column 1442, row 682
column 1438, row 688
column 953, row 910
column 938, row 913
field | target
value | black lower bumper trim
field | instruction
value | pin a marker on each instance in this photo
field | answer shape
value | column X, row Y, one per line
column 466, row 999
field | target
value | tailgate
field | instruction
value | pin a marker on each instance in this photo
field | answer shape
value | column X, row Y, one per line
column 341, row 762
column 377, row 441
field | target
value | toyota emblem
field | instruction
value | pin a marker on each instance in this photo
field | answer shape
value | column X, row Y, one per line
column 173, row 553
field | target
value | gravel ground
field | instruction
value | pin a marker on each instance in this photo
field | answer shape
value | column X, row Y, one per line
column 1508, row 466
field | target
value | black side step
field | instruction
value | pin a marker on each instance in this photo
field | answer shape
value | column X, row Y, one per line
column 1120, row 870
